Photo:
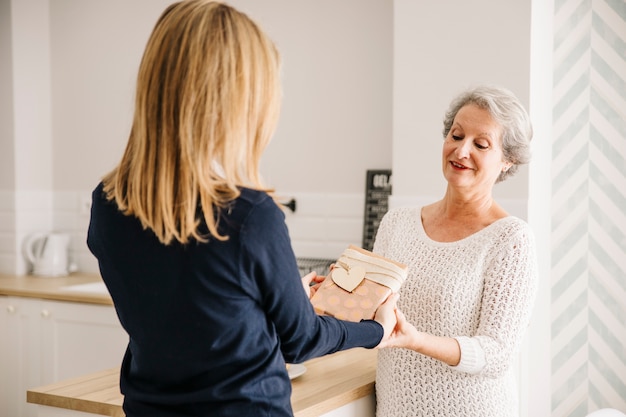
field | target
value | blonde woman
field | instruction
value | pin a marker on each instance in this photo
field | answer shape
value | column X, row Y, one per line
column 191, row 246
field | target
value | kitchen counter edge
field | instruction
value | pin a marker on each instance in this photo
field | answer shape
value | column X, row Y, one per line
column 329, row 383
column 53, row 288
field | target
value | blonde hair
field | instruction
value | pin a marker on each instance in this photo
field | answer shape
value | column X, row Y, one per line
column 207, row 104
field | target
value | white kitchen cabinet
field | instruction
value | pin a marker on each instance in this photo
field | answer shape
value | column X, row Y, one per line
column 46, row 341
column 19, row 355
column 78, row 339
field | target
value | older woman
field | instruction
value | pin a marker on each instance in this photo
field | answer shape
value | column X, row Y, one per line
column 472, row 273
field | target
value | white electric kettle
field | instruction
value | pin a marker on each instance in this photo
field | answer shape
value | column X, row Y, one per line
column 48, row 254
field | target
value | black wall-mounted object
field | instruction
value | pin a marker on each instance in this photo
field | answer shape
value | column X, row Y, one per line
column 291, row 205
column 377, row 192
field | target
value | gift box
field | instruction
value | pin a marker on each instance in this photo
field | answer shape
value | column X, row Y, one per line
column 359, row 282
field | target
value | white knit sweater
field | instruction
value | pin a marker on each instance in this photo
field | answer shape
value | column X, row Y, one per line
column 479, row 290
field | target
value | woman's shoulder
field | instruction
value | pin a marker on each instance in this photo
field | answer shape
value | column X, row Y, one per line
column 513, row 223
column 257, row 203
column 251, row 210
column 403, row 212
column 98, row 193
column 254, row 197
column 401, row 218
column 512, row 228
column 101, row 203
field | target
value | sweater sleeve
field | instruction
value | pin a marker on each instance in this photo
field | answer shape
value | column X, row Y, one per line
column 472, row 355
column 269, row 258
column 508, row 296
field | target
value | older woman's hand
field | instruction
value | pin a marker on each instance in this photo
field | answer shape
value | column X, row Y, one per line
column 404, row 334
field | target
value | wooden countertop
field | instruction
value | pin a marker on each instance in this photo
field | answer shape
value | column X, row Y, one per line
column 328, row 383
column 52, row 288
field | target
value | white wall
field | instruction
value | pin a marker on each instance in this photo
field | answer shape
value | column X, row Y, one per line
column 7, row 148
column 7, row 163
column 96, row 49
column 337, row 60
column 337, row 111
column 536, row 375
column 335, row 124
column 26, row 192
column 441, row 48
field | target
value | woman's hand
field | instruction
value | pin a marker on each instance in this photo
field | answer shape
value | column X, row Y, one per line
column 386, row 315
column 311, row 282
column 404, row 335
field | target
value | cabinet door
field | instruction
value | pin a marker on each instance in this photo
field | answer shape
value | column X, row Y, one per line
column 78, row 339
column 19, row 354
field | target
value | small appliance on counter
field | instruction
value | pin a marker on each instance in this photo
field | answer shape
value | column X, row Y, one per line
column 48, row 254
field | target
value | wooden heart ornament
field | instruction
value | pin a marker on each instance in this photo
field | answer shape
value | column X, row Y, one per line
column 348, row 279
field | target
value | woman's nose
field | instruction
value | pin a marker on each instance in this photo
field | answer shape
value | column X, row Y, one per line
column 463, row 149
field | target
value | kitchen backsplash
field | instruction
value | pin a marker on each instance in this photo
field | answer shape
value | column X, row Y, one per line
column 322, row 226
column 21, row 214
column 325, row 224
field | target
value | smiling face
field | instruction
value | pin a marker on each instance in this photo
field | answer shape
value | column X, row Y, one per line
column 472, row 151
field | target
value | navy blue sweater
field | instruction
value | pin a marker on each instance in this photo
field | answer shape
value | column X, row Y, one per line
column 211, row 325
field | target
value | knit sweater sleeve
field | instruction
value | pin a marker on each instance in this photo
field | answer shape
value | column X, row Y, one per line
column 510, row 285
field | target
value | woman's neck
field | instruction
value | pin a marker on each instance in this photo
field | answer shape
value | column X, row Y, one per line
column 458, row 205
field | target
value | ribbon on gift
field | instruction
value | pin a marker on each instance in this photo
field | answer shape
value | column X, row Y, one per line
column 356, row 264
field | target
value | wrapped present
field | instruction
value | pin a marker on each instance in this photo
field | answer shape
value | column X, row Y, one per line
column 359, row 282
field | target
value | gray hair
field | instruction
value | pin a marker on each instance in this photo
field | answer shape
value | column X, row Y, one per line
column 508, row 112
